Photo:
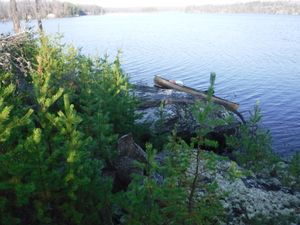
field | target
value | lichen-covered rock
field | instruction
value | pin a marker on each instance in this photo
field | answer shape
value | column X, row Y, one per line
column 245, row 197
column 250, row 197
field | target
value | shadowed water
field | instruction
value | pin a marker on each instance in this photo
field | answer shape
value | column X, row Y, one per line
column 255, row 57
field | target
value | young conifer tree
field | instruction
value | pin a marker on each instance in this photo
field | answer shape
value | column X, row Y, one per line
column 96, row 122
column 10, row 121
column 46, row 175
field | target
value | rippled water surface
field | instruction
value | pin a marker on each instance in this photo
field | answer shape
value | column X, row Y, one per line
column 256, row 57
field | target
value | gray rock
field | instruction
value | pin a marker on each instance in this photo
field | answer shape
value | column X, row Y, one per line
column 249, row 197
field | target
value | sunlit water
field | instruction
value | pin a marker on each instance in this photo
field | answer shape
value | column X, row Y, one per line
column 256, row 57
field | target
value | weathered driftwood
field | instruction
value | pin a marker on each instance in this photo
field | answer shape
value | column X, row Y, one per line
column 232, row 106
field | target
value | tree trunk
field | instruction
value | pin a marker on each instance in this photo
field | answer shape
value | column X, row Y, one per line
column 14, row 16
column 38, row 15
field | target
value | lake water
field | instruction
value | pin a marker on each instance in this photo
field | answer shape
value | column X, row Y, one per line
column 255, row 57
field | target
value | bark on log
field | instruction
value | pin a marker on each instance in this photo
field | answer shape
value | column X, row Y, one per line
column 199, row 94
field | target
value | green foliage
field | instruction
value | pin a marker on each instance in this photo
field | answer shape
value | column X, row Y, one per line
column 202, row 111
column 174, row 200
column 9, row 121
column 99, row 89
column 96, row 121
column 59, row 62
column 161, row 115
column 234, row 172
column 49, row 162
column 140, row 201
column 179, row 158
column 115, row 91
column 151, row 201
column 253, row 144
column 107, row 108
column 294, row 170
column 7, row 124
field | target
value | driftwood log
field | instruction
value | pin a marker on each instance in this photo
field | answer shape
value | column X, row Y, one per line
column 231, row 106
column 159, row 81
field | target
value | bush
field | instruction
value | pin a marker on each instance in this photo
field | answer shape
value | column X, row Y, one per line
column 294, row 171
column 252, row 144
column 52, row 152
column 167, row 193
column 163, row 194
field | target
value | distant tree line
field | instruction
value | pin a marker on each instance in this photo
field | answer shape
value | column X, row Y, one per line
column 281, row 7
column 26, row 9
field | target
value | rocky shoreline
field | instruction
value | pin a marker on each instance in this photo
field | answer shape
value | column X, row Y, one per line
column 249, row 199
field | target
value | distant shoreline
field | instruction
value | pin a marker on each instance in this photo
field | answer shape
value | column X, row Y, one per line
column 160, row 11
column 276, row 8
column 272, row 8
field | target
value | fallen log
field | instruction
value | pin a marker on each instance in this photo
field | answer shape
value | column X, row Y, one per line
column 232, row 106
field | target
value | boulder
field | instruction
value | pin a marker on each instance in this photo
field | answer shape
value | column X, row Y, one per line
column 163, row 109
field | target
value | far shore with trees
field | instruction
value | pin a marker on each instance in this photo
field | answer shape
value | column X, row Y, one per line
column 26, row 9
